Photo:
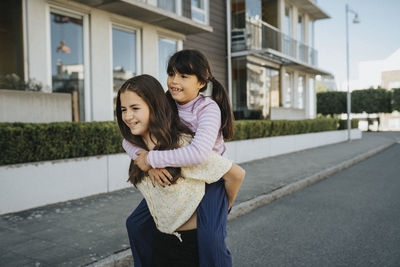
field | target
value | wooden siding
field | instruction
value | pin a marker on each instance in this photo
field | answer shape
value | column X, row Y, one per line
column 213, row 45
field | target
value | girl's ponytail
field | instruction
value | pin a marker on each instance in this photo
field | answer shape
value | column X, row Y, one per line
column 220, row 96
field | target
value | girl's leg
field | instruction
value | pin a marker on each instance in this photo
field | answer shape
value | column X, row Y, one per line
column 212, row 215
column 141, row 231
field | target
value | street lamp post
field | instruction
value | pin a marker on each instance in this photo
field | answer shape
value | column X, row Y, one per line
column 355, row 20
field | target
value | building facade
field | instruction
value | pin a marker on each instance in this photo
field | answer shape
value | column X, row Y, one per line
column 274, row 62
column 83, row 50
column 88, row 48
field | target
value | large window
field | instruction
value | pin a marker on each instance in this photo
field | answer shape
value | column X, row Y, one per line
column 67, row 59
column 288, row 20
column 239, row 92
column 288, row 90
column 287, row 30
column 300, row 91
column 11, row 46
column 124, row 57
column 166, row 47
column 300, row 28
column 255, row 89
column 200, row 10
column 311, row 97
column 274, row 88
column 311, row 33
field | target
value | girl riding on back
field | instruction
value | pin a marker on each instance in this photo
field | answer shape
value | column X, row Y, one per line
column 149, row 120
column 211, row 119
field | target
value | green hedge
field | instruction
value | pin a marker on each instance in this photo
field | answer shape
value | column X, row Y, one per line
column 371, row 101
column 329, row 103
column 368, row 100
column 343, row 124
column 264, row 128
column 31, row 142
column 396, row 99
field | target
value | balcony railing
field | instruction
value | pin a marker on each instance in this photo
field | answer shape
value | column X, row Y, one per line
column 259, row 35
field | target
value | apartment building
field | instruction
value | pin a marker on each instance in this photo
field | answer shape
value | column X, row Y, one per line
column 274, row 62
column 85, row 49
column 81, row 51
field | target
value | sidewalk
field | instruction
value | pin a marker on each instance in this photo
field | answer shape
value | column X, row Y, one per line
column 92, row 230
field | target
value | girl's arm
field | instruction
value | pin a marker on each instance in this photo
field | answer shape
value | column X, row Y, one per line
column 233, row 180
column 131, row 149
column 209, row 123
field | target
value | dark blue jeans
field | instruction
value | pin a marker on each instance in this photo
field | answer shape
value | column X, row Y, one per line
column 211, row 230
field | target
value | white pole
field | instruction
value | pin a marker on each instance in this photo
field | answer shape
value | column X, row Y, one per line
column 348, row 76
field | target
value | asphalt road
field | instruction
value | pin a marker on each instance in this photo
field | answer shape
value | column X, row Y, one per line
column 352, row 218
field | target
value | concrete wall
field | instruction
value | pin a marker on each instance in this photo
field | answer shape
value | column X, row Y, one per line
column 25, row 186
column 23, row 106
column 287, row 114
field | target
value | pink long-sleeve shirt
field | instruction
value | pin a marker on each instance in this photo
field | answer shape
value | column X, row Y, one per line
column 203, row 116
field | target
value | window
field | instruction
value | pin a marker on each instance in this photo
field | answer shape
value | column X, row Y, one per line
column 274, row 88
column 311, row 97
column 169, row 5
column 200, row 10
column 288, row 20
column 67, row 59
column 253, row 9
column 300, row 28
column 11, row 53
column 311, row 33
column 300, row 91
column 166, row 47
column 124, row 62
column 288, row 93
column 287, row 30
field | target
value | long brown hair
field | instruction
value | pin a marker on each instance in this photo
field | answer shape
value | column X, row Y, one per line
column 194, row 62
column 165, row 127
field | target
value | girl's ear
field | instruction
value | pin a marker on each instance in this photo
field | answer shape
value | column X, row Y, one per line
column 202, row 84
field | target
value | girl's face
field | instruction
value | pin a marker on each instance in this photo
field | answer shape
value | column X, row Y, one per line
column 135, row 113
column 184, row 87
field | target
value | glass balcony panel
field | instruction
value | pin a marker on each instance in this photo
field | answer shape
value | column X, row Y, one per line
column 259, row 35
column 167, row 5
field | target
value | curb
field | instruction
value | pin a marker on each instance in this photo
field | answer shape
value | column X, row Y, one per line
column 124, row 258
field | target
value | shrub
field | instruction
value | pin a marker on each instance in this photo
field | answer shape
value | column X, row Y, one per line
column 264, row 128
column 13, row 81
column 396, row 99
column 32, row 142
column 329, row 103
column 343, row 124
column 371, row 101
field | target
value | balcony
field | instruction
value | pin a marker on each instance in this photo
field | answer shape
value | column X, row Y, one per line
column 147, row 11
column 261, row 37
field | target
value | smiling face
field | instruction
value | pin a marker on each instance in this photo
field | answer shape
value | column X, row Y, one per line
column 183, row 87
column 135, row 113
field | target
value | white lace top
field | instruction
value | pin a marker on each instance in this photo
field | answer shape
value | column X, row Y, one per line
column 173, row 205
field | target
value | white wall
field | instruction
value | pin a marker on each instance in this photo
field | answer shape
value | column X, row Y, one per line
column 102, row 80
column 23, row 106
column 36, row 41
column 25, row 186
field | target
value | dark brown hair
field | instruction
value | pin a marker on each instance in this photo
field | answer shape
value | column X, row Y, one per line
column 165, row 127
column 194, row 62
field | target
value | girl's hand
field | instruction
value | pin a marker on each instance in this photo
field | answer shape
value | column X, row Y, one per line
column 161, row 176
column 141, row 160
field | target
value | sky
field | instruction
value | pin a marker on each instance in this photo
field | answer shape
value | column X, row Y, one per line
column 376, row 37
